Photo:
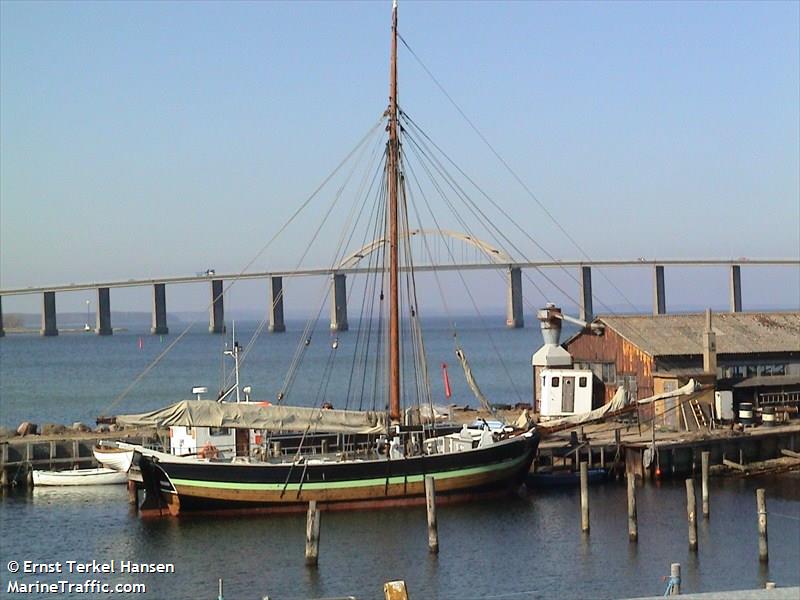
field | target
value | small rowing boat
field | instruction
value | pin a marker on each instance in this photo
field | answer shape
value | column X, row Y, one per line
column 100, row 476
column 118, row 459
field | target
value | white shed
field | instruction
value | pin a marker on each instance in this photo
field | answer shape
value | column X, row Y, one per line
column 565, row 392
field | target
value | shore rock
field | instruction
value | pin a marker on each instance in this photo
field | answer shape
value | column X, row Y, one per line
column 102, row 428
column 82, row 427
column 27, row 428
column 53, row 429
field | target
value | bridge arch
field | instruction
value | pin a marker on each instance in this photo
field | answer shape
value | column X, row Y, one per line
column 495, row 255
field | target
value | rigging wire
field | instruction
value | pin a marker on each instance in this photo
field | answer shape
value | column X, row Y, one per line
column 463, row 281
column 511, row 171
column 636, row 331
column 122, row 395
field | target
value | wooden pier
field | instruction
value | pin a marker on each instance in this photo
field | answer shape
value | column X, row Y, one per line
column 20, row 455
column 625, row 448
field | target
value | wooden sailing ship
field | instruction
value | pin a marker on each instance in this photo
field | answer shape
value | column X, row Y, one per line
column 387, row 458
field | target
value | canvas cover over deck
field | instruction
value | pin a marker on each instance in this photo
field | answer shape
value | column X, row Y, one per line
column 247, row 415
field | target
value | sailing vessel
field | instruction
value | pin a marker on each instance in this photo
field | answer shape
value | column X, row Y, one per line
column 381, row 457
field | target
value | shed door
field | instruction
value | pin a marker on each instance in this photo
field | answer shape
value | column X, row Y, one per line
column 568, row 395
column 242, row 442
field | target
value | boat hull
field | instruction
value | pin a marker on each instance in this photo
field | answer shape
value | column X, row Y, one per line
column 114, row 458
column 179, row 486
column 79, row 477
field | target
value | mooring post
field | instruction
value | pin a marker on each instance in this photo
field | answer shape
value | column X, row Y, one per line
column 29, row 477
column 312, row 534
column 133, row 494
column 76, row 452
column 220, row 597
column 430, row 505
column 633, row 526
column 395, row 590
column 323, row 446
column 3, row 478
column 276, row 448
column 705, row 456
column 763, row 547
column 675, row 579
column 691, row 514
column 584, row 497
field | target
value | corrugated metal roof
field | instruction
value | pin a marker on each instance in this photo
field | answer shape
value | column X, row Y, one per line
column 737, row 333
column 773, row 381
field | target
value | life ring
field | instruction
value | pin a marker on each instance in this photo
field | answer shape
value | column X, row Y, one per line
column 208, row 451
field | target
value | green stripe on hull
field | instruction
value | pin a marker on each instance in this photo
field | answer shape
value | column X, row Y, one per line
column 322, row 485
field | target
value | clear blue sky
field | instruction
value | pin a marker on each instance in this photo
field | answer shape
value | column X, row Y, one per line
column 154, row 138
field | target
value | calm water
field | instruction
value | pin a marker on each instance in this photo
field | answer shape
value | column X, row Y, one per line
column 519, row 548
column 76, row 377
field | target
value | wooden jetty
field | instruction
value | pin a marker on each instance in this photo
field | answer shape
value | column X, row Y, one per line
column 777, row 593
column 19, row 455
column 644, row 452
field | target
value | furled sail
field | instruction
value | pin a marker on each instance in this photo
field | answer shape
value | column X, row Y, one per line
column 471, row 381
column 253, row 415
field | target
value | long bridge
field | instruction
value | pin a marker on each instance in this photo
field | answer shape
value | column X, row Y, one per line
column 338, row 275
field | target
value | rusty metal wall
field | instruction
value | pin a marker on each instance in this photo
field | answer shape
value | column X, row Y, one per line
column 611, row 347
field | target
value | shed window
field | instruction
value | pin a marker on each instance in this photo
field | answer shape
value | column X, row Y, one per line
column 609, row 373
column 582, row 381
column 218, row 431
column 555, row 381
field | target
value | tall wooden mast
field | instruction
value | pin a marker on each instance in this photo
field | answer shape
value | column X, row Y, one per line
column 392, row 177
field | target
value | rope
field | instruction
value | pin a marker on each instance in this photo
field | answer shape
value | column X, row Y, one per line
column 263, row 249
column 672, row 583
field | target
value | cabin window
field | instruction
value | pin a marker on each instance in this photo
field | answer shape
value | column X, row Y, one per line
column 582, row 381
column 218, row 431
column 555, row 381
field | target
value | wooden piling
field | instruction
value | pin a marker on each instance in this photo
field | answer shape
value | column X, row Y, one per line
column 602, row 457
column 52, row 452
column 691, row 514
column 584, row 497
column 395, row 590
column 675, row 579
column 705, row 456
column 220, row 596
column 763, row 546
column 276, row 448
column 29, row 477
column 76, row 452
column 323, row 446
column 633, row 526
column 430, row 505
column 312, row 534
column 3, row 478
column 133, row 493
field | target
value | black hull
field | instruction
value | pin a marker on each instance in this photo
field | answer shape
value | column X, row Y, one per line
column 187, row 486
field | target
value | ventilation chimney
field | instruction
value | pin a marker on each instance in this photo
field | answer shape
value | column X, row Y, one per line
column 709, row 347
column 550, row 322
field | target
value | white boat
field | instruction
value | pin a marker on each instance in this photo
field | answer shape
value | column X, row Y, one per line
column 101, row 476
column 118, row 459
